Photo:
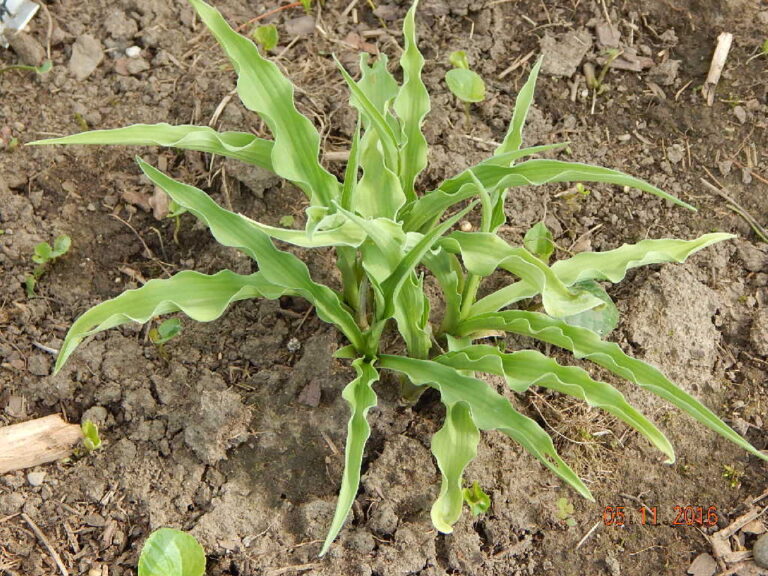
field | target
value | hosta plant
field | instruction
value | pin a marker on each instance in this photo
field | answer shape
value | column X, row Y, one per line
column 387, row 236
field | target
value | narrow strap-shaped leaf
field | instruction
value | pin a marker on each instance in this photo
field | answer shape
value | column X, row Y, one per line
column 351, row 170
column 454, row 447
column 238, row 145
column 483, row 253
column 490, row 411
column 447, row 271
column 263, row 89
column 412, row 105
column 613, row 264
column 361, row 398
column 503, row 297
column 514, row 138
column 528, row 368
column 412, row 317
column 391, row 286
column 201, row 297
column 374, row 116
column 278, row 267
column 586, row 344
column 429, row 208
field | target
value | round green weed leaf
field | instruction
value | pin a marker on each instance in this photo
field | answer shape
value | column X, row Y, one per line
column 169, row 552
column 466, row 85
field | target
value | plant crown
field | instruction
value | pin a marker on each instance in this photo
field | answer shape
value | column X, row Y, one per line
column 386, row 236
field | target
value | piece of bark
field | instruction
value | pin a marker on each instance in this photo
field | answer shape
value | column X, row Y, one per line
column 36, row 442
column 716, row 67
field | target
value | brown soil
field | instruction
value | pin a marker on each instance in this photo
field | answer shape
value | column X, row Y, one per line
column 217, row 436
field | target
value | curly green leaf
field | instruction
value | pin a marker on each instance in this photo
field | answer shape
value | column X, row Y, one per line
column 201, row 297
column 490, row 411
column 528, row 368
column 454, row 447
column 586, row 344
column 263, row 89
column 278, row 267
column 361, row 398
column 238, row 145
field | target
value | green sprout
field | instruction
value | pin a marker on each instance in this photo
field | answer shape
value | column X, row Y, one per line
column 387, row 236
column 287, row 221
column 44, row 68
column 539, row 241
column 266, row 36
column 565, row 512
column 91, row 437
column 478, row 501
column 732, row 475
column 43, row 256
column 167, row 330
column 465, row 84
column 307, row 4
column 169, row 552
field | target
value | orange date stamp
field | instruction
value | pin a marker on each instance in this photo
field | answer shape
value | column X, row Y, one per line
column 619, row 516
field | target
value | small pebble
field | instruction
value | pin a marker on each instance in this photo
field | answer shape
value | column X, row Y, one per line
column 293, row 345
column 740, row 113
column 760, row 551
column 35, row 478
column 465, row 226
column 133, row 52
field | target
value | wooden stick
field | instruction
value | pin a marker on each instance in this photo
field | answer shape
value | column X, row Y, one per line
column 46, row 544
column 716, row 67
column 36, row 442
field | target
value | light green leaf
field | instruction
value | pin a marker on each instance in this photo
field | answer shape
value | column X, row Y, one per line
column 613, row 264
column 447, row 271
column 490, row 411
column 238, row 145
column 371, row 114
column 466, row 85
column 503, row 297
column 169, row 552
column 277, row 267
column 263, row 89
column 482, row 253
column 378, row 85
column 454, row 447
column 361, row 398
column 412, row 105
column 586, row 344
column 514, row 138
column 602, row 319
column 428, row 209
column 528, row 368
column 458, row 59
column 539, row 241
column 412, row 317
column 392, row 285
column 478, row 501
column 266, row 36
column 201, row 297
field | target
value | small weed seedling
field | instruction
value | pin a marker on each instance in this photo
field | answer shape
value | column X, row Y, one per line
column 169, row 552
column 387, row 235
column 565, row 512
column 266, row 36
column 166, row 331
column 465, row 84
column 43, row 256
column 477, row 500
column 91, row 437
